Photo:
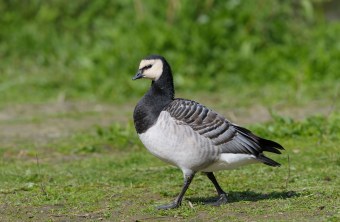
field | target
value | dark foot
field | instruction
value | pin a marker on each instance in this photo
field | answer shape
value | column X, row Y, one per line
column 168, row 206
column 222, row 199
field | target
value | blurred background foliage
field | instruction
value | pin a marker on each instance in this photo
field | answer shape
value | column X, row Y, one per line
column 89, row 50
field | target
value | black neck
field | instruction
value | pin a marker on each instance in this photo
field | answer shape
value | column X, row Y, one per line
column 160, row 94
column 164, row 86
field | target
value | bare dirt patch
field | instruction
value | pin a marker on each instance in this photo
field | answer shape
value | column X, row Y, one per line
column 44, row 122
column 43, row 213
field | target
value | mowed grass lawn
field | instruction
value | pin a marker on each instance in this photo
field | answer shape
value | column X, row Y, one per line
column 83, row 162
column 68, row 148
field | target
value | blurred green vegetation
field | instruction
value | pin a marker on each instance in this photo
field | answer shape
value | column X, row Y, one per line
column 89, row 50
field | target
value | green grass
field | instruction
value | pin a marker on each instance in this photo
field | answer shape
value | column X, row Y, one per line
column 104, row 173
column 67, row 145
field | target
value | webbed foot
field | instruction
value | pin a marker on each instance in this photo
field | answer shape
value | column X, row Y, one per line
column 177, row 202
column 168, row 206
column 222, row 199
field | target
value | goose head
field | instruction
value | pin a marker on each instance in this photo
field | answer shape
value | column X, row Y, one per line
column 151, row 67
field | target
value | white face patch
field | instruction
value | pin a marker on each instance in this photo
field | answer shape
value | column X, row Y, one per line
column 151, row 69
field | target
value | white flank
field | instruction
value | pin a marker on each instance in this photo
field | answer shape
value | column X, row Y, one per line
column 180, row 145
column 174, row 143
column 229, row 161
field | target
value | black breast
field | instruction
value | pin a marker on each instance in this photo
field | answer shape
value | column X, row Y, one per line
column 147, row 112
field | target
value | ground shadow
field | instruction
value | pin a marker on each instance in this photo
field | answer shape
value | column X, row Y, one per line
column 247, row 196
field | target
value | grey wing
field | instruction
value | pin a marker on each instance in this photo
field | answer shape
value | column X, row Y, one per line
column 229, row 137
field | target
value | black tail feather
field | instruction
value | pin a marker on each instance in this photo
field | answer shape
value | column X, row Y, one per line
column 266, row 145
column 270, row 146
column 267, row 160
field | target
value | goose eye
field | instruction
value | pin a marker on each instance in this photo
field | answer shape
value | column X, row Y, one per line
column 147, row 67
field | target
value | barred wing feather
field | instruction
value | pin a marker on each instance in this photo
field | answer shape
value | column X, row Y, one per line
column 229, row 137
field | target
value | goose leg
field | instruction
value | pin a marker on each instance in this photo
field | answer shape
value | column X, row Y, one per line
column 222, row 195
column 177, row 202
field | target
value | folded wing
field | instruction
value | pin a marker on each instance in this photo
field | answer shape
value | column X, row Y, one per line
column 229, row 137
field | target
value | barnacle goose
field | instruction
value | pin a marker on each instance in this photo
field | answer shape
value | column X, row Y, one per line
column 189, row 135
